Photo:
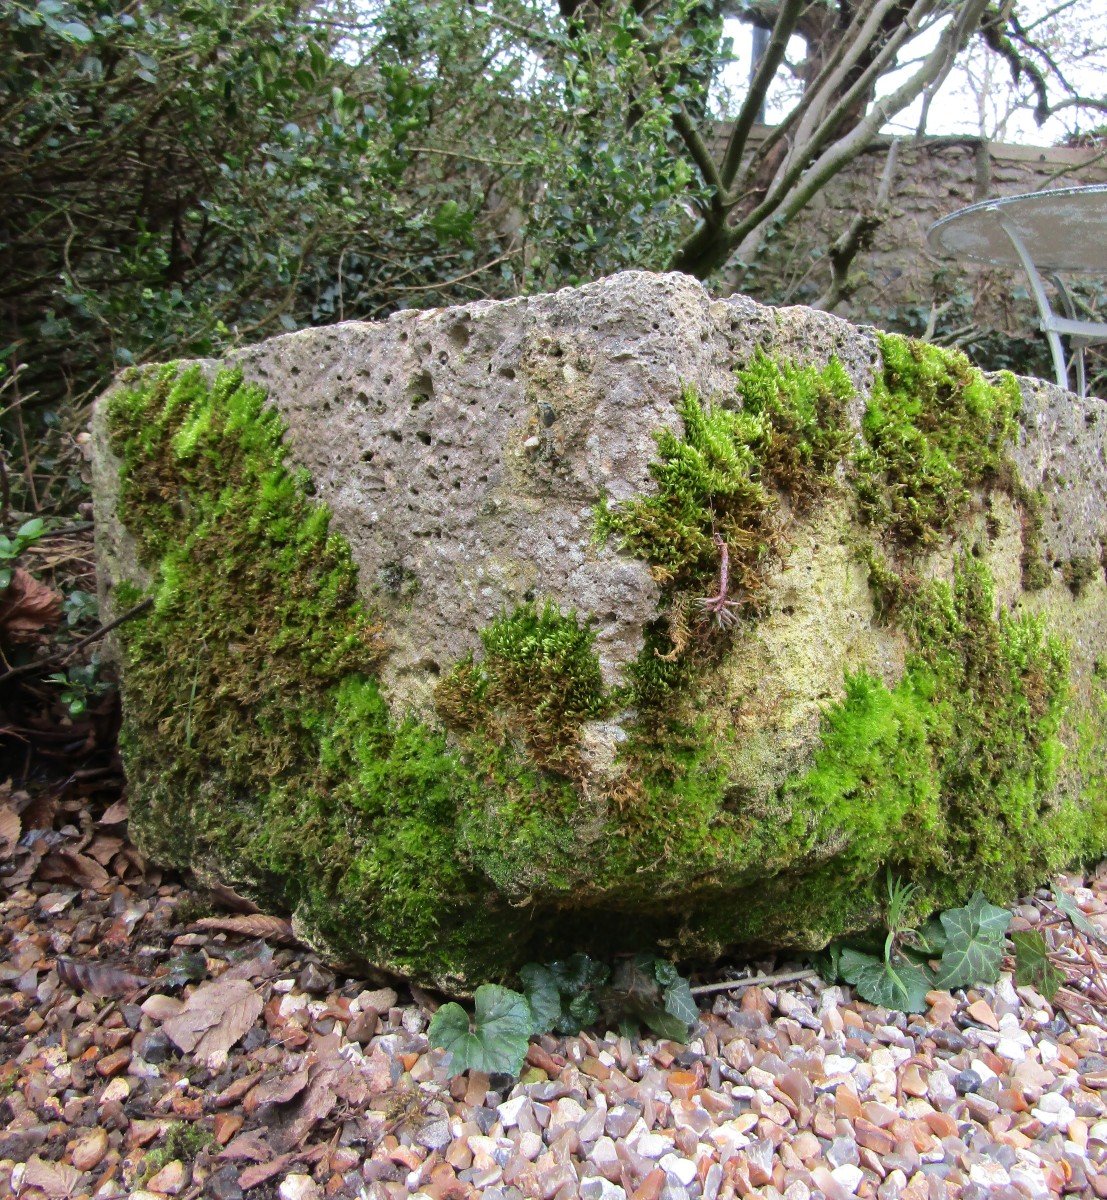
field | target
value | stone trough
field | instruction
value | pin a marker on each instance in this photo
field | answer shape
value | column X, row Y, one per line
column 615, row 618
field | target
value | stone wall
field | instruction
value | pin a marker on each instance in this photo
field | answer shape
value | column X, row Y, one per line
column 898, row 277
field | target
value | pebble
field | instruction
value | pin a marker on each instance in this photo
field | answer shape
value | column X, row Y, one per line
column 90, row 1150
column 299, row 1187
column 170, row 1180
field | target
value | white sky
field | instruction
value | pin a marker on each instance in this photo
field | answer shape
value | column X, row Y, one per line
column 977, row 96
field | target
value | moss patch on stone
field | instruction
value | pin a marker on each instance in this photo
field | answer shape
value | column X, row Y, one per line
column 934, row 428
column 785, row 433
column 256, row 740
column 539, row 679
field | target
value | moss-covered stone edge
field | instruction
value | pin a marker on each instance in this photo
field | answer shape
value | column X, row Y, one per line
column 429, row 887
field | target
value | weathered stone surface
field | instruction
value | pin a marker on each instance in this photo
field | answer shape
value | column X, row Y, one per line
column 734, row 790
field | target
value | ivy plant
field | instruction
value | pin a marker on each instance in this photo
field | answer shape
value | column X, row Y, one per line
column 968, row 943
column 562, row 994
column 12, row 547
column 564, row 997
column 1036, row 965
column 972, row 943
column 1033, row 965
column 648, row 989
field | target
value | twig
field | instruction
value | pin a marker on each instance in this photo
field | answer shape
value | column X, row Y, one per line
column 60, row 656
column 732, row 985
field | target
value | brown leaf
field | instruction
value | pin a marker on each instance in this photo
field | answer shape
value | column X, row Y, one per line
column 54, row 1178
column 279, row 1090
column 259, row 965
column 214, row 1017
column 39, row 814
column 115, row 814
column 99, row 979
column 103, row 849
column 252, row 1176
column 318, row 1100
column 27, row 608
column 28, row 865
column 66, row 866
column 252, row 1146
column 10, row 829
column 232, row 899
column 255, row 925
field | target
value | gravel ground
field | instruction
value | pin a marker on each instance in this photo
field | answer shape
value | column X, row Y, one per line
column 145, row 1054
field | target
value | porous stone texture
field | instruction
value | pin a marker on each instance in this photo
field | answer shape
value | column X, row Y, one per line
column 461, row 451
column 465, row 456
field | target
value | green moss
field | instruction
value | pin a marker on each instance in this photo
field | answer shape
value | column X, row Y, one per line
column 934, row 428
column 719, row 476
column 539, row 679
column 266, row 752
column 708, row 481
column 807, row 435
column 183, row 1142
column 1036, row 573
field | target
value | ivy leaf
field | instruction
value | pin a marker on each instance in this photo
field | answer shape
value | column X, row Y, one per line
column 1033, row 967
column 901, row 985
column 577, row 974
column 665, row 1025
column 584, row 1009
column 680, row 1003
column 1072, row 910
column 664, row 972
column 635, row 981
column 931, row 938
column 496, row 1040
column 974, row 943
column 540, row 988
column 828, row 962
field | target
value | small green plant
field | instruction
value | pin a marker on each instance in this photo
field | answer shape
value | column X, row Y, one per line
column 563, row 997
column 649, row 990
column 79, row 685
column 894, row 980
column 183, row 1142
column 1036, row 965
column 80, row 606
column 496, row 1038
column 12, row 547
column 968, row 942
column 1033, row 965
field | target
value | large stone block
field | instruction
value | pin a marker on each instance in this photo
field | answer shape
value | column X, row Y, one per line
column 617, row 617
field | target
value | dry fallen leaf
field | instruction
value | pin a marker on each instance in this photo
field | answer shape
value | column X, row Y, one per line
column 10, row 829
column 115, row 814
column 103, row 848
column 252, row 1176
column 255, row 925
column 55, row 1179
column 214, row 1017
column 279, row 1090
column 66, row 866
column 251, row 1146
column 27, row 608
column 232, row 899
column 98, row 979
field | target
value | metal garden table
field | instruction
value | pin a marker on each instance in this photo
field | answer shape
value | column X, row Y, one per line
column 1050, row 232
